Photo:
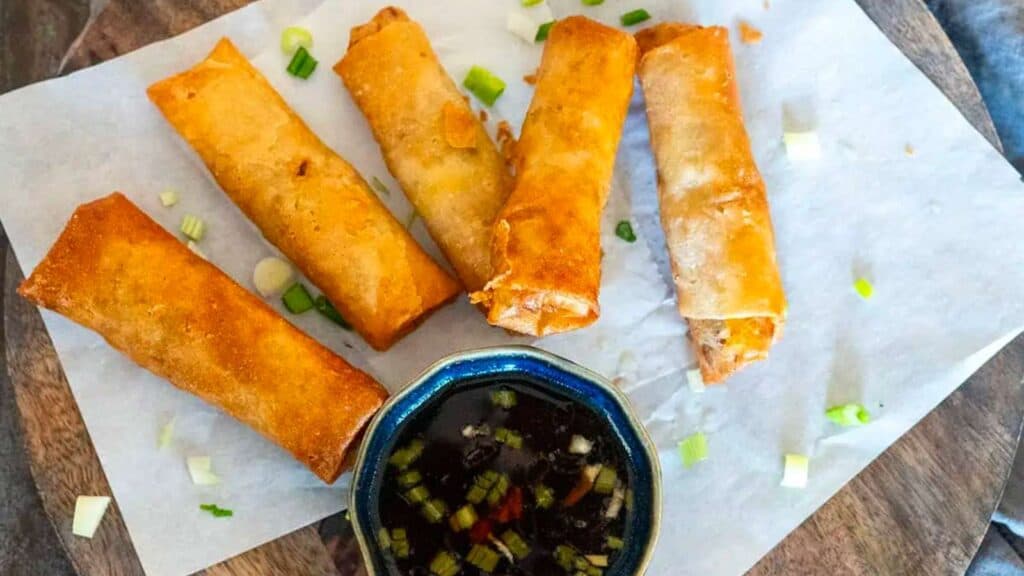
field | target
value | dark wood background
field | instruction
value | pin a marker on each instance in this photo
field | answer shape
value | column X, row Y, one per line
column 921, row 508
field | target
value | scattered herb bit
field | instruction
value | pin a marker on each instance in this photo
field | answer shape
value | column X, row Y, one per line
column 380, row 186
column 544, row 496
column 484, row 85
column 166, row 434
column 695, row 381
column 193, row 227
column 217, row 511
column 864, row 288
column 849, row 414
column 89, row 512
column 294, row 37
column 297, row 299
column 634, row 17
column 324, row 306
column 302, row 64
column 795, row 473
column 168, row 198
column 543, row 31
column 504, row 398
column 693, row 449
column 624, row 230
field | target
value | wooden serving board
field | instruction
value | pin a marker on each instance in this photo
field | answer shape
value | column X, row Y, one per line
column 922, row 507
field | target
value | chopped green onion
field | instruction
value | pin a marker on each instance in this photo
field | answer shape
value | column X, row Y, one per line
column 614, row 543
column 629, row 500
column 399, row 543
column 497, row 491
column 294, row 37
column 634, row 17
column 324, row 307
column 795, row 472
column 444, row 564
column 383, row 539
column 217, row 511
column 624, row 230
column 481, row 486
column 379, row 186
column 564, row 556
column 302, row 64
column 544, row 495
column 543, row 31
column 297, row 299
column 695, row 381
column 606, row 479
column 417, row 494
column 404, row 457
column 593, row 571
column 504, row 398
column 464, row 518
column 434, row 510
column 529, row 3
column 484, row 85
column 409, row 478
column 193, row 227
column 597, row 560
column 849, row 414
column 516, row 544
column 508, row 438
column 864, row 288
column 580, row 563
column 483, row 558
column 166, row 434
column 200, row 469
column 168, row 198
column 593, row 2
column 693, row 449
column 398, row 535
column 89, row 512
column 476, row 494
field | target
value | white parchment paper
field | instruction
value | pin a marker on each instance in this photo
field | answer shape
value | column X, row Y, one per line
column 938, row 233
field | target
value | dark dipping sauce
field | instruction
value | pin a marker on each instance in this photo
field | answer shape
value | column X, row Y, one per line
column 453, row 459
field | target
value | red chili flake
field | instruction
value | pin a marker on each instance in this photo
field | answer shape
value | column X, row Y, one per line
column 480, row 531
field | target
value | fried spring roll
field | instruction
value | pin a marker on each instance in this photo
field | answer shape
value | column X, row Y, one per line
column 116, row 271
column 546, row 248
column 305, row 199
column 713, row 205
column 433, row 143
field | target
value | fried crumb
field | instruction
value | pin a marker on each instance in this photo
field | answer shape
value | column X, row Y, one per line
column 909, row 150
column 483, row 115
column 531, row 79
column 507, row 141
column 749, row 34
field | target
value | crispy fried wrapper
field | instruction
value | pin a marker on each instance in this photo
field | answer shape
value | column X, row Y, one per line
column 713, row 205
column 546, row 248
column 307, row 200
column 116, row 271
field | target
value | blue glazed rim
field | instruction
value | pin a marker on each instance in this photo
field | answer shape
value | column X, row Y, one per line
column 545, row 370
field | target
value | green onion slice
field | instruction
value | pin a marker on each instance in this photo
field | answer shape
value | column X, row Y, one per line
column 529, row 3
column 852, row 414
column 324, row 306
column 444, row 564
column 864, row 288
column 614, row 543
column 693, row 449
column 634, row 17
column 544, row 496
column 302, row 64
column 624, row 230
column 515, row 544
column 543, row 31
column 294, row 37
column 409, row 478
column 504, row 398
column 193, row 227
column 434, row 510
column 464, row 518
column 606, row 479
column 217, row 511
column 593, row 2
column 795, row 472
column 297, row 299
column 483, row 558
column 485, row 86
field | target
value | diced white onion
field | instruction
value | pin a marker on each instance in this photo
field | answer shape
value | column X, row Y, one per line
column 795, row 473
column 580, row 445
column 695, row 381
column 522, row 26
column 200, row 469
column 166, row 434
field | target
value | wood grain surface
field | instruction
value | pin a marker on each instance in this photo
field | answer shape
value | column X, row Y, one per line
column 921, row 508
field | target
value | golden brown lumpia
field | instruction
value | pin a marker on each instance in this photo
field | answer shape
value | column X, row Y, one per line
column 116, row 271
column 546, row 249
column 713, row 205
column 432, row 142
column 305, row 199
